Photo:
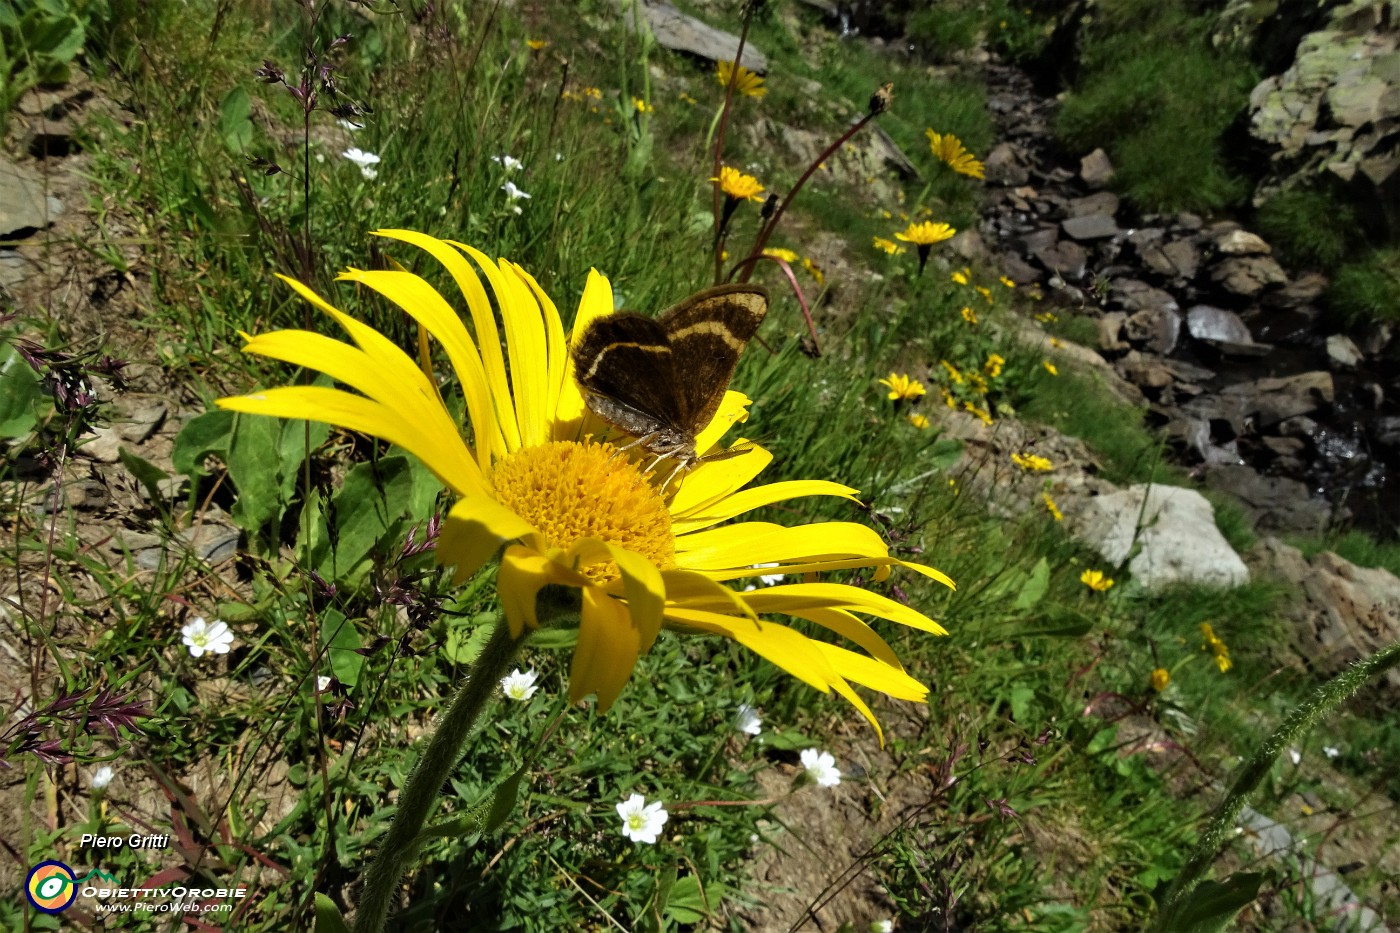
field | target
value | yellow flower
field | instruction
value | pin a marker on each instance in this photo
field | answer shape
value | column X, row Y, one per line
column 994, row 364
column 1216, row 648
column 593, row 92
column 532, row 485
column 746, row 82
column 1056, row 342
column 902, row 388
column 949, row 149
column 982, row 415
column 687, row 99
column 1007, row 282
column 953, row 373
column 889, row 246
column 948, row 398
column 926, row 233
column 918, row 421
column 1160, row 678
column 1095, row 580
column 1046, row 317
column 1033, row 463
column 537, row 44
column 1055, row 512
column 969, row 315
column 1050, row 367
column 786, row 255
column 815, row 270
column 642, row 106
column 974, row 379
column 985, row 292
column 962, row 276
column 738, row 186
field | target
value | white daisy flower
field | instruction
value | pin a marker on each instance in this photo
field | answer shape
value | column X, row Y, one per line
column 641, row 821
column 746, row 719
column 519, row 686
column 201, row 636
column 365, row 160
column 821, row 767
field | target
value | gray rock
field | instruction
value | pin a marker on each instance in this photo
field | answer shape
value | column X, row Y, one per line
column 1386, row 432
column 138, row 419
column 1170, row 533
column 678, row 32
column 1156, row 329
column 1090, row 227
column 1096, row 169
column 1277, row 399
column 1276, row 502
column 100, row 444
column 1105, row 202
column 1111, row 331
column 1066, row 258
column 1006, row 165
column 210, row 542
column 1017, row 269
column 1175, row 259
column 1242, row 243
column 23, row 202
column 1341, row 351
column 1035, row 240
column 1214, row 324
column 1302, row 291
column 15, row 269
column 1247, row 276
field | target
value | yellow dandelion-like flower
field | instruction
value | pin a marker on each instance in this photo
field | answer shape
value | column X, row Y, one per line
column 975, row 380
column 746, row 82
column 1007, row 282
column 994, row 364
column 536, row 44
column 1046, row 317
column 926, row 234
column 642, row 106
column 737, row 186
column 814, row 270
column 1050, row 505
column 981, row 414
column 985, row 292
column 969, row 315
column 532, row 486
column 1160, row 678
column 593, row 93
column 1056, row 342
column 889, row 246
column 786, row 255
column 962, row 276
column 902, row 388
column 1216, row 647
column 953, row 372
column 687, row 99
column 948, row 149
column 1095, row 580
column 948, row 398
column 1032, row 463
column 1050, row 367
column 918, row 421
column 886, row 215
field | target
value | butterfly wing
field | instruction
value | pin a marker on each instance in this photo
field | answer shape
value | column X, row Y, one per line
column 707, row 333
column 625, row 367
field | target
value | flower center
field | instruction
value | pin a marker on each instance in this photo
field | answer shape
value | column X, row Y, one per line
column 569, row 491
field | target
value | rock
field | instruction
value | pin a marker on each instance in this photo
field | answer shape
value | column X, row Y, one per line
column 1090, row 227
column 1111, row 331
column 24, row 206
column 1386, row 432
column 678, row 32
column 1066, row 258
column 1135, row 295
column 1174, row 259
column 888, row 150
column 1376, row 337
column 1247, row 276
column 1169, row 531
column 1155, row 329
column 211, row 542
column 1242, row 243
column 1304, row 290
column 1017, row 269
column 1276, row 502
column 1036, row 240
column 1346, row 612
column 138, row 419
column 1096, row 169
column 1284, row 446
column 1273, row 400
column 1105, row 202
column 50, row 138
column 1206, row 323
column 1341, row 351
column 15, row 268
column 100, row 444
column 1006, row 165
column 1360, row 102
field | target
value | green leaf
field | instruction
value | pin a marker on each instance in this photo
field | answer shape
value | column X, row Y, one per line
column 1021, row 698
column 366, row 511
column 293, row 449
column 343, row 642
column 253, row 467
column 1060, row 622
column 202, row 436
column 21, row 395
column 328, row 918
column 1033, row 590
column 692, row 903
column 147, row 474
column 503, row 801
column 236, row 120
column 942, row 454
column 1213, row 904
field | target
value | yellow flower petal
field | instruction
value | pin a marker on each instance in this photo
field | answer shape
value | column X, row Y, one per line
column 609, row 644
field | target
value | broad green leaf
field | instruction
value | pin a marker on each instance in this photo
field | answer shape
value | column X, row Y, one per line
column 236, row 120
column 328, row 918
column 253, row 467
column 342, row 639
column 202, row 436
column 1213, row 904
column 22, row 395
column 147, row 474
column 1033, row 590
column 503, row 801
column 367, row 510
column 292, row 450
column 1021, row 699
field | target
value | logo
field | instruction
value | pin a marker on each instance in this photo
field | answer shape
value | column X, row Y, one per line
column 662, row 380
column 51, row 887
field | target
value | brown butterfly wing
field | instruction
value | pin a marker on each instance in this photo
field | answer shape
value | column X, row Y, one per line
column 707, row 333
column 624, row 364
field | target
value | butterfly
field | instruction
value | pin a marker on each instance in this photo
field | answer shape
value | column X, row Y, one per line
column 662, row 379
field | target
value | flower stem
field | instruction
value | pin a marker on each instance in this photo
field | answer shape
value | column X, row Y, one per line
column 1304, row 716
column 420, row 792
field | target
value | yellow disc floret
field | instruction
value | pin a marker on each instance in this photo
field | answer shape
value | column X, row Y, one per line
column 569, row 491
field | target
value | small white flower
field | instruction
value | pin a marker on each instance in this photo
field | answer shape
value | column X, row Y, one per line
column 1331, row 752
column 512, row 192
column 203, row 636
column 365, row 160
column 509, row 162
column 347, row 125
column 641, row 821
column 1293, row 756
column 746, row 719
column 323, row 684
column 102, row 777
column 519, row 686
column 821, row 767
column 882, row 926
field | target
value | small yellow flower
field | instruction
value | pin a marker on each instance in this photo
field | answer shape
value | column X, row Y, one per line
column 984, row 292
column 889, row 246
column 1007, row 282
column 962, row 276
column 1056, row 342
column 926, row 234
column 1095, row 580
column 994, row 364
column 815, row 270
column 969, row 315
column 642, row 106
column 887, row 215
column 948, row 149
column 1050, row 367
column 746, row 82
column 982, row 415
column 786, row 255
column 738, row 186
column 1216, row 647
column 953, row 373
column 536, row 44
column 974, row 379
column 902, row 388
column 1032, row 463
column 593, row 92
column 918, row 421
column 687, row 99
column 1055, row 512
column 1160, row 678
column 1046, row 317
